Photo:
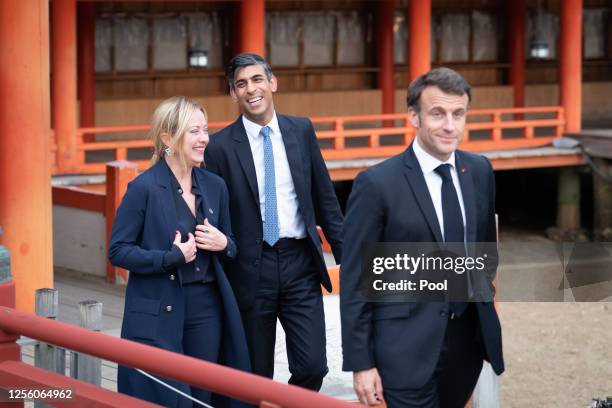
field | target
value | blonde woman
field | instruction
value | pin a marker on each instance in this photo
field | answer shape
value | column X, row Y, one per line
column 172, row 232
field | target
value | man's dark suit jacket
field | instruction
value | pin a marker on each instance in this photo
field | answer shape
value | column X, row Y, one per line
column 229, row 155
column 390, row 202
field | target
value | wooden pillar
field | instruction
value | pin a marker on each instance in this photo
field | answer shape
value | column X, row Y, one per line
column 86, row 54
column 570, row 92
column 384, row 24
column 25, row 165
column 516, row 46
column 568, row 215
column 252, row 16
column 63, row 85
column 419, row 38
column 118, row 174
column 570, row 69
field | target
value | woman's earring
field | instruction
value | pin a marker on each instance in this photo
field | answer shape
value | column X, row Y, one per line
column 168, row 151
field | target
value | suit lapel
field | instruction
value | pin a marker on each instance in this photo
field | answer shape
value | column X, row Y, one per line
column 162, row 177
column 414, row 175
column 245, row 157
column 469, row 199
column 294, row 156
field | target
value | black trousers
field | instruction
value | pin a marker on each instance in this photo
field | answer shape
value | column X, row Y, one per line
column 203, row 327
column 288, row 290
column 456, row 372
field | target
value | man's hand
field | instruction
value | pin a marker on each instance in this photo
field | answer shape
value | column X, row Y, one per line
column 368, row 387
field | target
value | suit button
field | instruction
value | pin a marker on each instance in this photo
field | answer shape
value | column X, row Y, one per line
column 256, row 263
column 172, row 277
column 197, row 269
column 258, row 241
column 180, row 191
column 168, row 308
column 443, row 314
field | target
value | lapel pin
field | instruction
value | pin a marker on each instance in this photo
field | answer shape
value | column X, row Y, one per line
column 210, row 210
column 463, row 169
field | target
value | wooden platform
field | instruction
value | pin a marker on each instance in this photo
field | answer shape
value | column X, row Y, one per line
column 502, row 160
column 341, row 170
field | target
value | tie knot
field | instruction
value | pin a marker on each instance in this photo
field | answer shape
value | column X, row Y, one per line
column 443, row 171
column 265, row 131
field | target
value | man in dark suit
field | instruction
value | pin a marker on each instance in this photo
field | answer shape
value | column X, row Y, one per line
column 421, row 354
column 279, row 191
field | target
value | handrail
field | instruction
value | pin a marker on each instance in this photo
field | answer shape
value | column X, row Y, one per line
column 358, row 136
column 216, row 378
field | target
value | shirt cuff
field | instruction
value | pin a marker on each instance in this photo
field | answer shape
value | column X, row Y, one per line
column 173, row 258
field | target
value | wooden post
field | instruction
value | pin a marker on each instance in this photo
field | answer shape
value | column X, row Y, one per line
column 9, row 349
column 86, row 55
column 46, row 355
column 82, row 366
column 118, row 174
column 568, row 216
column 252, row 17
column 384, row 20
column 419, row 38
column 570, row 63
column 25, row 140
column 516, row 46
column 64, row 81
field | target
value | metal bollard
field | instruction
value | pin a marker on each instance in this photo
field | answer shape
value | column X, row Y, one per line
column 486, row 393
column 82, row 366
column 48, row 356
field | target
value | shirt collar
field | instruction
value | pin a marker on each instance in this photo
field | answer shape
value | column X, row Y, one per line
column 427, row 162
column 253, row 129
column 175, row 185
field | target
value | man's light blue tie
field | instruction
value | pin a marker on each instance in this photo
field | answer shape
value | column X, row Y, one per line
column 270, row 230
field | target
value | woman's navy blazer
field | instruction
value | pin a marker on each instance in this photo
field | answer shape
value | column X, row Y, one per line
column 144, row 229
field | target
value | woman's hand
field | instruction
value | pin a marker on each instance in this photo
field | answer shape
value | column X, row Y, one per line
column 209, row 238
column 188, row 248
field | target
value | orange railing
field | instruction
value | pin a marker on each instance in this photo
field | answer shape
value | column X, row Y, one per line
column 218, row 379
column 487, row 129
column 346, row 137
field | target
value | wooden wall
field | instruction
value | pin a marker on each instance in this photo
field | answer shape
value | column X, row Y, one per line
column 596, row 103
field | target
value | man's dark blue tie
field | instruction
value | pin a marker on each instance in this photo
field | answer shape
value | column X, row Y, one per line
column 453, row 224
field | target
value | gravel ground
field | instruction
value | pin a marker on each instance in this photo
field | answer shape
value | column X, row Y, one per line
column 557, row 354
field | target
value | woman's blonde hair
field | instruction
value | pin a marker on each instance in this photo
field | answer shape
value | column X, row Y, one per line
column 172, row 116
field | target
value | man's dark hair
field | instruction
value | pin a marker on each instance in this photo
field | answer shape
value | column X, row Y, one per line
column 444, row 78
column 244, row 60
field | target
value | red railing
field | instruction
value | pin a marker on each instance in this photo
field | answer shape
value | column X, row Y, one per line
column 218, row 379
column 354, row 137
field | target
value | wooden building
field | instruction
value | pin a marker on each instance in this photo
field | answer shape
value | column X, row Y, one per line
column 75, row 71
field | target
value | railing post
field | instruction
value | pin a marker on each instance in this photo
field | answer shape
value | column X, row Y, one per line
column 9, row 349
column 118, row 174
column 561, row 119
column 82, row 366
column 339, row 142
column 408, row 135
column 497, row 133
column 48, row 356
